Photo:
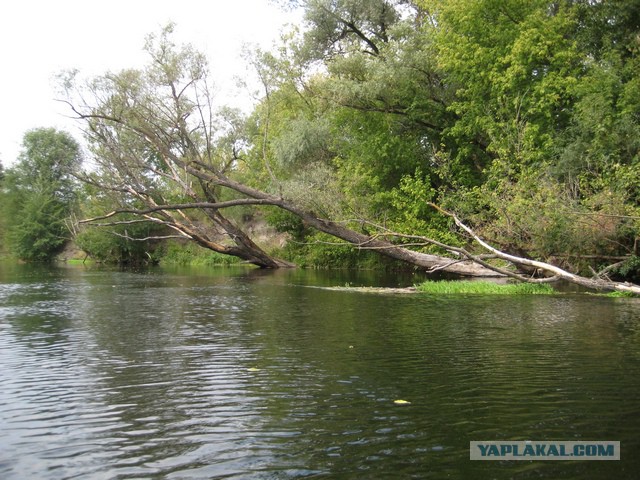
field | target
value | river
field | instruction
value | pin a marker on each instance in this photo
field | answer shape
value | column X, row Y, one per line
column 240, row 373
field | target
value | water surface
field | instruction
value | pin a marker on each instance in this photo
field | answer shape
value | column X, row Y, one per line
column 237, row 373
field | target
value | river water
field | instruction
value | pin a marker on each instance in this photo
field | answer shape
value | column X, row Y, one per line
column 238, row 373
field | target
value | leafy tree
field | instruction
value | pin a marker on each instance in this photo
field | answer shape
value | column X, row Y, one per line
column 374, row 112
column 40, row 194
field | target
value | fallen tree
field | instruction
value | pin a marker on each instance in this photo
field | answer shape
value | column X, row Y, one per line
column 553, row 272
column 469, row 266
column 466, row 263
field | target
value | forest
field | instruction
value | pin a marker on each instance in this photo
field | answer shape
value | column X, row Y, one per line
column 475, row 137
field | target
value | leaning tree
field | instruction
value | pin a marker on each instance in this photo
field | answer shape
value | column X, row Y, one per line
column 154, row 133
column 160, row 144
column 170, row 158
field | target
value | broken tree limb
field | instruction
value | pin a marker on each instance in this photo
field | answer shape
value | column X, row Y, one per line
column 557, row 272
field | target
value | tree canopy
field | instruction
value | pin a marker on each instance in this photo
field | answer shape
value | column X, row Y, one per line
column 522, row 118
column 39, row 194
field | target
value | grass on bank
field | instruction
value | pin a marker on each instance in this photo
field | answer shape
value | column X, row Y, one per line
column 484, row 288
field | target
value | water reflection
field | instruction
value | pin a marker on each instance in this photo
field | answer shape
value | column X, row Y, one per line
column 246, row 374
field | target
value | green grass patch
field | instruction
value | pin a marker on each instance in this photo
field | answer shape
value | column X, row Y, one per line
column 483, row 288
column 79, row 261
column 618, row 294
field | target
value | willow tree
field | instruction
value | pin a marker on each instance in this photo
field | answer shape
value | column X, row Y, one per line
column 151, row 133
column 168, row 157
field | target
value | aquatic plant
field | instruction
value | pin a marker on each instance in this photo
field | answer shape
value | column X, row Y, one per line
column 483, row 287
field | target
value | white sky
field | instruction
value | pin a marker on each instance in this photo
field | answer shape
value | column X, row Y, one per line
column 39, row 38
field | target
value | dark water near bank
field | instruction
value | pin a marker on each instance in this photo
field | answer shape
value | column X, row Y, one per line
column 245, row 374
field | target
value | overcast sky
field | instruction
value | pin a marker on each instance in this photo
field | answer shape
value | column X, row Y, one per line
column 39, row 38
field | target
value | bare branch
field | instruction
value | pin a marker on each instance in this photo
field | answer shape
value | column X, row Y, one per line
column 153, row 237
column 181, row 206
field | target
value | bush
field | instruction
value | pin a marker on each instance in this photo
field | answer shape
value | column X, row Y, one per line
column 176, row 252
column 106, row 247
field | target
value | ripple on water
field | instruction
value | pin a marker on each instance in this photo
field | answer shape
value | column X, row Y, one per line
column 145, row 377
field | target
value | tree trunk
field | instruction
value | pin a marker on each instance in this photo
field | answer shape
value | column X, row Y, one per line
column 429, row 262
column 245, row 248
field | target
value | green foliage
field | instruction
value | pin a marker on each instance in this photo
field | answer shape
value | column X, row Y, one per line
column 286, row 222
column 320, row 250
column 629, row 269
column 377, row 146
column 114, row 242
column 317, row 250
column 39, row 195
column 600, row 148
column 537, row 217
column 48, row 160
column 414, row 216
column 186, row 253
column 466, row 287
column 348, row 26
column 304, row 142
column 3, row 212
column 515, row 79
column 41, row 231
column 114, row 245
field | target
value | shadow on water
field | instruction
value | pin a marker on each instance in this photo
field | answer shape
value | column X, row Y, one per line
column 243, row 373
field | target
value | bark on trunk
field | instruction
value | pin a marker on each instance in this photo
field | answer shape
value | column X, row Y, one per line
column 246, row 248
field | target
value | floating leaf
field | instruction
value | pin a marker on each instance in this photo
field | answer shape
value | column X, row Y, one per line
column 253, row 369
column 402, row 402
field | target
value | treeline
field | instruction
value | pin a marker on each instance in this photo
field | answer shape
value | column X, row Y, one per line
column 42, row 200
column 523, row 118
